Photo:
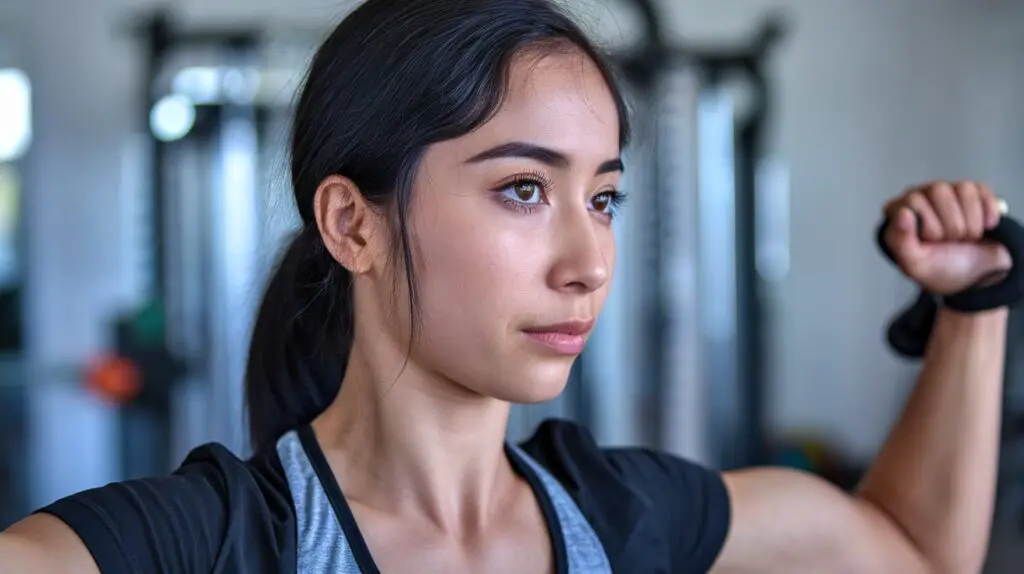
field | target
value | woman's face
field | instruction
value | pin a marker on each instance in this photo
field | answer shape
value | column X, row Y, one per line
column 511, row 229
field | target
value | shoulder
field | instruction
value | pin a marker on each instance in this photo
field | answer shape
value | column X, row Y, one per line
column 636, row 497
column 215, row 509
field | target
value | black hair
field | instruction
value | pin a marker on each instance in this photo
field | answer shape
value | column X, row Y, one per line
column 394, row 77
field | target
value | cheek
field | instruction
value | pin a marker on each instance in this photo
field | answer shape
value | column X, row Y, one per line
column 476, row 276
column 476, row 271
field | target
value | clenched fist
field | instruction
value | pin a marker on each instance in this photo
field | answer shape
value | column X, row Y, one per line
column 935, row 235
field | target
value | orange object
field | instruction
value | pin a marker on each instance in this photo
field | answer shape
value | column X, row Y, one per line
column 114, row 378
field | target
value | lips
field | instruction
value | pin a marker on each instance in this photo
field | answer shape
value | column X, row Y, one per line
column 566, row 338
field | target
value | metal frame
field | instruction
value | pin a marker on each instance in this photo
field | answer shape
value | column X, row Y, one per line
column 743, row 406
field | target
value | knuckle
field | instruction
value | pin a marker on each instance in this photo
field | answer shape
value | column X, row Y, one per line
column 916, row 199
column 941, row 191
column 966, row 190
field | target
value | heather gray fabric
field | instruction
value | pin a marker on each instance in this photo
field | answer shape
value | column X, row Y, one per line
column 582, row 547
column 323, row 549
column 321, row 544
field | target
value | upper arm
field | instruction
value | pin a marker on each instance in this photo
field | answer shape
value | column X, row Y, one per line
column 789, row 522
column 168, row 524
column 688, row 502
column 42, row 543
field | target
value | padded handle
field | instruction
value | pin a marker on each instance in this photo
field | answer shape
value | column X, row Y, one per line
column 909, row 332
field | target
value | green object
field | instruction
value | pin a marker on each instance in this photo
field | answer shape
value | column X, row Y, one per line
column 148, row 324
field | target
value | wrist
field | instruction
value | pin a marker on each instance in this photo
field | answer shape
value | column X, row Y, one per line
column 960, row 320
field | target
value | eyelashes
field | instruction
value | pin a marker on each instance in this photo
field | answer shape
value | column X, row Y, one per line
column 525, row 193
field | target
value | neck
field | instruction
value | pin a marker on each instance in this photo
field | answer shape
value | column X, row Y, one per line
column 407, row 441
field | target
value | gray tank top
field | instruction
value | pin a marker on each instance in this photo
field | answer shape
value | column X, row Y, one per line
column 323, row 548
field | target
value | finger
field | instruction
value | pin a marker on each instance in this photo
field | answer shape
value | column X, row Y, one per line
column 930, row 224
column 902, row 234
column 990, row 205
column 969, row 196
column 997, row 257
column 943, row 199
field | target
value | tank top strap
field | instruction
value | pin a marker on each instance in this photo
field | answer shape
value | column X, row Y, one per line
column 584, row 550
column 322, row 547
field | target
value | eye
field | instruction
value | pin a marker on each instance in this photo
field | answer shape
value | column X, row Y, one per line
column 608, row 202
column 525, row 191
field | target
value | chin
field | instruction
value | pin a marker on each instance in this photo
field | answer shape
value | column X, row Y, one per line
column 534, row 385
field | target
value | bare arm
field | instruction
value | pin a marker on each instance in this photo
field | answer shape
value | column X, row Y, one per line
column 42, row 543
column 925, row 505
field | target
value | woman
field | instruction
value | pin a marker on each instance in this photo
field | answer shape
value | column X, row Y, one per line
column 455, row 166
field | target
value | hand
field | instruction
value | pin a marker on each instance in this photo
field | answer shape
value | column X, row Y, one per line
column 935, row 235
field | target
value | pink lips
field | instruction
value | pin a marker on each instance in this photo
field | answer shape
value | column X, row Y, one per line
column 565, row 338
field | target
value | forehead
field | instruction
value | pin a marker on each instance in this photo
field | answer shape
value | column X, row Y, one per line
column 559, row 100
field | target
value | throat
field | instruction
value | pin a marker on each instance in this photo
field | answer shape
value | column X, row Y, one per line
column 400, row 464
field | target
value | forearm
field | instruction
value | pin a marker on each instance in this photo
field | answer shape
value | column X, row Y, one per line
column 936, row 475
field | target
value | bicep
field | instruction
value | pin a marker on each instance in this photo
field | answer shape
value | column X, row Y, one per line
column 42, row 543
column 786, row 521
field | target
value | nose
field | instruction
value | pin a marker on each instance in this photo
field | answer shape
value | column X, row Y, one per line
column 581, row 254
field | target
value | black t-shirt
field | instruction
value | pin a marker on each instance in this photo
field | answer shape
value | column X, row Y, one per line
column 652, row 512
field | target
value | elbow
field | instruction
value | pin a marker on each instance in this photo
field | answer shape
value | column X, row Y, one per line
column 961, row 560
column 931, row 548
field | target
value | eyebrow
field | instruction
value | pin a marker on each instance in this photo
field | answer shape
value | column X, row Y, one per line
column 541, row 154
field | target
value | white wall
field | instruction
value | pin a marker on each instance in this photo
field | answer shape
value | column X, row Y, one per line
column 874, row 95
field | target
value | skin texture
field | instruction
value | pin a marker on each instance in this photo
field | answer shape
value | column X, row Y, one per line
column 415, row 438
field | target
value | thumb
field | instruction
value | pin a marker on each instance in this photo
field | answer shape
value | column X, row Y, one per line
column 994, row 257
column 902, row 233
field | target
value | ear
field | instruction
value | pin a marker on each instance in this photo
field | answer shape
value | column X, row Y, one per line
column 347, row 223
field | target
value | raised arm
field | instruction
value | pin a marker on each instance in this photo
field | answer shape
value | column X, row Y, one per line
column 926, row 504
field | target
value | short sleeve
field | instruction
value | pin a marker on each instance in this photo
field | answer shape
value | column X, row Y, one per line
column 694, row 502
column 183, row 523
column 654, row 512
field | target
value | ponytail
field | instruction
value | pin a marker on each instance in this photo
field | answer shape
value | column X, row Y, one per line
column 300, row 342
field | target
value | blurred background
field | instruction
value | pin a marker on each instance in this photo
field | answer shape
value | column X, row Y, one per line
column 144, row 195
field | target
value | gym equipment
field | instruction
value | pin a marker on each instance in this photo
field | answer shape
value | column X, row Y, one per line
column 677, row 361
column 217, row 111
column 114, row 378
column 910, row 330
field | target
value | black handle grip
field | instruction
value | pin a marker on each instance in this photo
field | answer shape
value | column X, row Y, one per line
column 909, row 332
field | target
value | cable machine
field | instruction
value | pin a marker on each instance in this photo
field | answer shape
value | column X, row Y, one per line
column 213, row 112
column 678, row 360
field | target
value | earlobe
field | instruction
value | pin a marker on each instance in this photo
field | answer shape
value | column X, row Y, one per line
column 341, row 211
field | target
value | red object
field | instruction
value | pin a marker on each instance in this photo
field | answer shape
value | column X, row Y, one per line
column 114, row 378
